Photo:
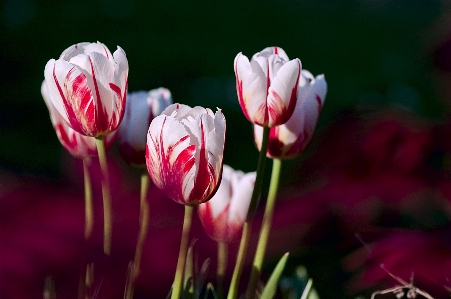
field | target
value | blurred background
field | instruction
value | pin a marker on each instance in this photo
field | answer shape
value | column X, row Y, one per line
column 374, row 186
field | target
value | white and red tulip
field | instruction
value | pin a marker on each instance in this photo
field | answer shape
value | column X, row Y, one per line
column 87, row 85
column 184, row 152
column 76, row 144
column 223, row 216
column 267, row 86
column 142, row 107
column 291, row 139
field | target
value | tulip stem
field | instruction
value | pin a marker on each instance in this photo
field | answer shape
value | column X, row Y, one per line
column 106, row 193
column 143, row 221
column 265, row 229
column 143, row 226
column 178, row 280
column 222, row 267
column 89, row 225
column 233, row 290
column 89, row 210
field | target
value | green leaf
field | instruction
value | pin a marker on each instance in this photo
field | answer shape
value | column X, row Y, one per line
column 270, row 289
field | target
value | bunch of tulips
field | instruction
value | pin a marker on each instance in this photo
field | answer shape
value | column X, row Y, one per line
column 181, row 149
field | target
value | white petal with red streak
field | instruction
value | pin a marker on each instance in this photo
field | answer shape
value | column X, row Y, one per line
column 253, row 88
column 280, row 91
column 73, row 51
column 274, row 50
column 170, row 131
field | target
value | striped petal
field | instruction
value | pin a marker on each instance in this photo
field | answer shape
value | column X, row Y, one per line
column 224, row 215
column 290, row 139
column 251, row 89
column 273, row 51
column 282, row 93
column 76, row 144
column 71, row 95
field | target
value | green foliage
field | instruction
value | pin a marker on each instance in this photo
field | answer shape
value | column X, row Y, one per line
column 270, row 289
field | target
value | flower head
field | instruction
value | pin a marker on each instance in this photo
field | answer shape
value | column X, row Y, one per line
column 223, row 216
column 142, row 107
column 76, row 144
column 184, row 152
column 87, row 85
column 267, row 86
column 290, row 139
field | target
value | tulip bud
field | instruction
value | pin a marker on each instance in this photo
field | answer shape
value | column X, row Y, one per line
column 142, row 107
column 184, row 152
column 223, row 216
column 77, row 145
column 290, row 139
column 267, row 86
column 87, row 85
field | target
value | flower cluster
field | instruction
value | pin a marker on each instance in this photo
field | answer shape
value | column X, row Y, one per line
column 183, row 148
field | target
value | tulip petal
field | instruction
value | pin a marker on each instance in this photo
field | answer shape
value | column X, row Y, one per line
column 119, row 85
column 251, row 89
column 73, row 51
column 243, row 184
column 274, row 50
column 291, row 139
column 283, row 92
column 170, row 157
column 69, row 92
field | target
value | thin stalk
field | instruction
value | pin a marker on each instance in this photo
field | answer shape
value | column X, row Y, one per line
column 143, row 226
column 143, row 222
column 89, row 210
column 222, row 267
column 265, row 229
column 178, row 280
column 233, row 290
column 106, row 193
column 89, row 225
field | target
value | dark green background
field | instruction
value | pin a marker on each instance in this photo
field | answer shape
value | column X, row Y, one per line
column 372, row 52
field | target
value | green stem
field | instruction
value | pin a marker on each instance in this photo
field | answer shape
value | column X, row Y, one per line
column 143, row 226
column 143, row 221
column 106, row 193
column 222, row 267
column 89, row 210
column 89, row 225
column 178, row 280
column 233, row 290
column 265, row 229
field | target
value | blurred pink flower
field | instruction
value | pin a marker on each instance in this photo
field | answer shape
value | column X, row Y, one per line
column 425, row 255
column 224, row 214
column 142, row 107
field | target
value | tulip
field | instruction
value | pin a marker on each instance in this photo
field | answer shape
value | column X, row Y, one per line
column 267, row 86
column 87, row 85
column 223, row 216
column 184, row 152
column 76, row 144
column 290, row 139
column 142, row 107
